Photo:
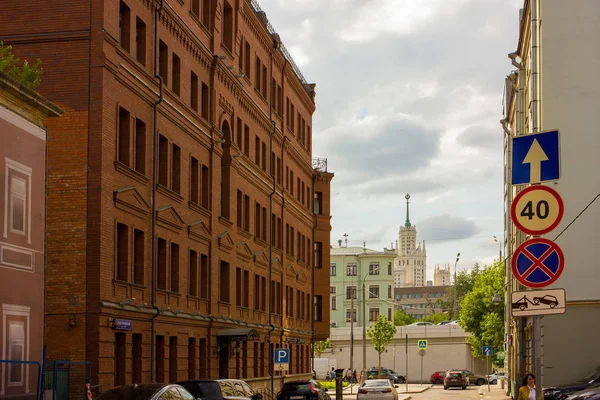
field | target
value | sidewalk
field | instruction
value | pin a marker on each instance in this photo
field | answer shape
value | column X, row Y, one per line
column 496, row 393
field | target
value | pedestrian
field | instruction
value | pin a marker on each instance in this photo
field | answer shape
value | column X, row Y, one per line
column 332, row 374
column 354, row 376
column 527, row 391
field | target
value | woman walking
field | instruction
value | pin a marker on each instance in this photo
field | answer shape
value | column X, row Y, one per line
column 528, row 390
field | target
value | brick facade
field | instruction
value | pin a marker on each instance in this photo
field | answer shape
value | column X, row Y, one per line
column 229, row 158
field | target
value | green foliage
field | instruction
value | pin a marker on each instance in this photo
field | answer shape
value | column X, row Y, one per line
column 28, row 74
column 331, row 385
column 479, row 316
column 319, row 347
column 436, row 318
column 464, row 284
column 381, row 333
column 401, row 318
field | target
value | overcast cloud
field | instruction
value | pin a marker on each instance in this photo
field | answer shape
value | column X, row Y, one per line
column 409, row 95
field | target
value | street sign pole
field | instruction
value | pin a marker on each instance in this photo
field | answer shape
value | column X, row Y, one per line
column 489, row 373
column 406, row 363
column 537, row 350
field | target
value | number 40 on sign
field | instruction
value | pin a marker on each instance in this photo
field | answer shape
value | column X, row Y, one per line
column 537, row 210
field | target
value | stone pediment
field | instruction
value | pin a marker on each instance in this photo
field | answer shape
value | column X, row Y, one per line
column 199, row 232
column 225, row 241
column 260, row 258
column 244, row 251
column 290, row 270
column 301, row 277
column 277, row 266
column 169, row 218
column 130, row 200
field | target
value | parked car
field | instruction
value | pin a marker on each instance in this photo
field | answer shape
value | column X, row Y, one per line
column 385, row 373
column 591, row 393
column 557, row 392
column 229, row 389
column 438, row 377
column 147, row 391
column 475, row 379
column 420, row 323
column 456, row 379
column 494, row 378
column 455, row 322
column 377, row 389
column 302, row 390
column 444, row 323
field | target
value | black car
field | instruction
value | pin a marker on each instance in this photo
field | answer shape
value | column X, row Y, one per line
column 147, row 391
column 561, row 392
column 220, row 389
column 302, row 390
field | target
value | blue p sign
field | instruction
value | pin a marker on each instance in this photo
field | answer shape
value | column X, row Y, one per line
column 282, row 356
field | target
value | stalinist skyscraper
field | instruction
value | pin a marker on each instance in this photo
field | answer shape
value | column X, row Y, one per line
column 410, row 265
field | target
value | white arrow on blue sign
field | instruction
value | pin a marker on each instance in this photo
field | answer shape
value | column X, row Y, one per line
column 536, row 158
column 487, row 350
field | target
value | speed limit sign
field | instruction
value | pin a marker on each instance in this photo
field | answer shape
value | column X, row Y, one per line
column 537, row 210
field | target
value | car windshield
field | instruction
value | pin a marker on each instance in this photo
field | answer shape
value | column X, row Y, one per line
column 454, row 375
column 296, row 387
column 131, row 392
column 206, row 390
column 376, row 383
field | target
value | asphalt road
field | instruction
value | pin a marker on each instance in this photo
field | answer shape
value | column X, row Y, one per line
column 437, row 392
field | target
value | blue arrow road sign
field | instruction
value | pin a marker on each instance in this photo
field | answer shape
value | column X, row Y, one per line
column 281, row 356
column 487, row 350
column 535, row 158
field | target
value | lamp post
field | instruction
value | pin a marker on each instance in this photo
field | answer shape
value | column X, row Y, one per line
column 364, row 307
column 455, row 263
column 499, row 241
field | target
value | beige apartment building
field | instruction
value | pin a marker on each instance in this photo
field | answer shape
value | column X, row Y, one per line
column 554, row 85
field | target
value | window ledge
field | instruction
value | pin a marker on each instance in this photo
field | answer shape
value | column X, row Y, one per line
column 197, row 20
column 126, row 170
column 261, row 242
column 169, row 193
column 225, row 222
column 260, row 96
column 227, row 51
column 176, row 294
column 199, row 209
column 244, row 233
column 202, row 299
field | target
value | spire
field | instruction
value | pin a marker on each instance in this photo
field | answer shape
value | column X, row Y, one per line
column 407, row 223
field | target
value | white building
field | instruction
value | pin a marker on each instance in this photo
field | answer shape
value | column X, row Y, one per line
column 410, row 266
column 442, row 275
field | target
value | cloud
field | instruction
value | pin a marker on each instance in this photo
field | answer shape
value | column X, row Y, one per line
column 447, row 227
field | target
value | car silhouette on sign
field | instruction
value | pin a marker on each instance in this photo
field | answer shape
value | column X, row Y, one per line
column 547, row 299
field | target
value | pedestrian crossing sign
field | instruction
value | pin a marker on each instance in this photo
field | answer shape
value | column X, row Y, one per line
column 422, row 344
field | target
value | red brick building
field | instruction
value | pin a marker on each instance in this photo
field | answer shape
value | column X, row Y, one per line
column 182, row 240
column 22, row 202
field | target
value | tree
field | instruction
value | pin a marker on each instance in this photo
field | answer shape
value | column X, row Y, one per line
column 401, row 318
column 436, row 318
column 464, row 284
column 479, row 316
column 23, row 72
column 381, row 333
column 319, row 347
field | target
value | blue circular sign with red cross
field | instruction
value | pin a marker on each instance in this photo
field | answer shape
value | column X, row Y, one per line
column 538, row 263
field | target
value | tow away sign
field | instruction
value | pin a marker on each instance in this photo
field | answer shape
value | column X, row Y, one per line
column 538, row 302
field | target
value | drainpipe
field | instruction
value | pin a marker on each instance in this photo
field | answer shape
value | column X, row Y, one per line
column 153, row 201
column 274, row 174
column 311, row 305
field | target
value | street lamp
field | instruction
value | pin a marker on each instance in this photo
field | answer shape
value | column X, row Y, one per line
column 364, row 307
column 456, row 262
column 499, row 247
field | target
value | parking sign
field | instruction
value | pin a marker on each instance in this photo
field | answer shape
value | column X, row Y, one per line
column 281, row 359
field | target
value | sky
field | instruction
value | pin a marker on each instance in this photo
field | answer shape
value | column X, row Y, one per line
column 409, row 99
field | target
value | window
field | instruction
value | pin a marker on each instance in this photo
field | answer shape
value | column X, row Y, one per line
column 124, row 26
column 374, row 269
column 389, row 291
column 160, row 358
column 332, row 269
column 263, row 294
column 264, row 223
column 191, row 358
column 389, row 268
column 228, row 26
column 246, row 140
column 138, row 257
column 163, row 161
column 120, row 357
column 257, row 220
column 247, row 59
column 373, row 314
column 264, row 81
column 257, row 150
column 140, row 146
column 173, row 359
column 204, row 100
column 205, row 187
column 247, row 213
column 174, row 267
column 18, row 204
column 16, row 351
column 257, row 292
column 373, row 291
column 350, row 292
column 206, row 13
column 264, row 157
column 332, row 296
column 318, row 255
column 317, row 203
column 318, row 309
column 240, row 209
column 163, row 62
column 140, row 42
column 122, row 251
column 351, row 270
column 389, row 314
column 195, row 8
column 161, row 270
column 176, row 169
column 351, row 315
column 124, row 135
column 136, row 358
column 193, row 273
column 224, row 282
column 204, row 274
column 194, row 91
column 195, row 181
column 203, row 368
column 238, row 287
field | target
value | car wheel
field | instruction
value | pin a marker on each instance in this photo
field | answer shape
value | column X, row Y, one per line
column 494, row 382
column 437, row 382
column 536, row 301
column 479, row 382
column 401, row 380
column 445, row 387
column 552, row 305
column 522, row 307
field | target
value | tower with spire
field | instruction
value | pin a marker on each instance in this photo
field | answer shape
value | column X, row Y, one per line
column 410, row 265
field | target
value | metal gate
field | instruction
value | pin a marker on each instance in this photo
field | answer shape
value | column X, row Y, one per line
column 38, row 385
column 65, row 380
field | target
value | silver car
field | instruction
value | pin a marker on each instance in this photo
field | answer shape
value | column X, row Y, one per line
column 377, row 389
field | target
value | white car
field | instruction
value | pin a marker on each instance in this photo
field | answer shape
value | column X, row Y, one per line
column 377, row 389
column 420, row 323
column 494, row 378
